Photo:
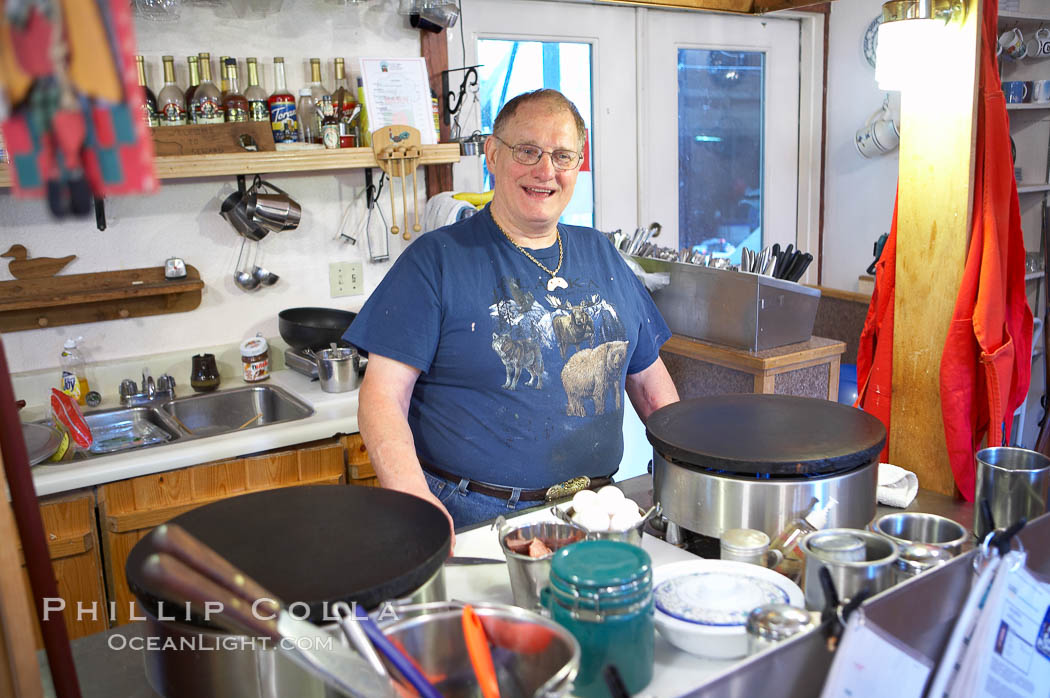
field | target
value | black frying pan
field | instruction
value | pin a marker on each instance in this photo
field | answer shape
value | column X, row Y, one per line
column 313, row 328
column 314, row 544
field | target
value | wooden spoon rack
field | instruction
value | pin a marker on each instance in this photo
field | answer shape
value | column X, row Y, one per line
column 397, row 149
column 30, row 304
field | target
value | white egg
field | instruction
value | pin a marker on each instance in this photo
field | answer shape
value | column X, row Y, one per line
column 610, row 497
column 584, row 499
column 623, row 520
column 592, row 520
column 628, row 507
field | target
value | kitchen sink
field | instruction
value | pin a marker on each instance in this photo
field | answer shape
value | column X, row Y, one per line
column 251, row 407
column 190, row 417
column 128, row 427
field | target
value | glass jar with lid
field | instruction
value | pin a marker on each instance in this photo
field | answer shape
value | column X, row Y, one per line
column 602, row 592
column 255, row 359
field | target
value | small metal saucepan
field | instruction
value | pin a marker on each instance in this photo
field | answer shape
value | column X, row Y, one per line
column 340, row 369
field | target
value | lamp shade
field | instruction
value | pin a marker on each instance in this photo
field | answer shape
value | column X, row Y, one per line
column 908, row 52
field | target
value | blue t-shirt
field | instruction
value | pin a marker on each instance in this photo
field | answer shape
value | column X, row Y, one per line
column 520, row 386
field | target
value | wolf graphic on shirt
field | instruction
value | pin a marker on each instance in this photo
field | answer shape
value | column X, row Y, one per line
column 580, row 339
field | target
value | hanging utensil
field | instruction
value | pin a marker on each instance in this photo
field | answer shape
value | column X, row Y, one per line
column 404, row 193
column 186, row 569
column 480, row 654
column 415, row 191
column 394, row 230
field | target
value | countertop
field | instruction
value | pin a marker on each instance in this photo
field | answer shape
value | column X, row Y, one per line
column 334, row 413
column 105, row 671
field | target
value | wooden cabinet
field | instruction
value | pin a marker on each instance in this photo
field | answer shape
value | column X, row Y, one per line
column 69, row 523
column 359, row 465
column 129, row 509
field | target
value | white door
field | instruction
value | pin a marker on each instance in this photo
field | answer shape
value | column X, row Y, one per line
column 610, row 115
column 720, row 127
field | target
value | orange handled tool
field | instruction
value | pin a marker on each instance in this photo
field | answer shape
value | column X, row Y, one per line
column 480, row 656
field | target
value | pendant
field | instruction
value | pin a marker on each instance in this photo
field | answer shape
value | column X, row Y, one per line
column 557, row 282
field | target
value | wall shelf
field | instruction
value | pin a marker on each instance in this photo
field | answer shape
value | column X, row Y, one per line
column 52, row 301
column 1024, row 16
column 1032, row 188
column 1024, row 106
column 217, row 165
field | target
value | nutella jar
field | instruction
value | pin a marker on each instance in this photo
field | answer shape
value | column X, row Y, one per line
column 255, row 359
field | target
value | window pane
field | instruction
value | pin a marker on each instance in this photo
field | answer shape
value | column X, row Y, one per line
column 510, row 68
column 720, row 150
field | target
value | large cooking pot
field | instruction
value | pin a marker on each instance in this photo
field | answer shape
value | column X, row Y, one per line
column 758, row 461
column 311, row 546
column 313, row 328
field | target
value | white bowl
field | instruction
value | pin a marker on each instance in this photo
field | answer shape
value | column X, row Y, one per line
column 702, row 605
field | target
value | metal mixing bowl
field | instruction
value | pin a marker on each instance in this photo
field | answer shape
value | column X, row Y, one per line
column 533, row 656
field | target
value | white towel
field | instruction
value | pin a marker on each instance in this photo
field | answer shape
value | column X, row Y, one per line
column 897, row 486
column 441, row 210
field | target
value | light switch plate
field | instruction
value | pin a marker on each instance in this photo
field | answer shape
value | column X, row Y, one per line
column 345, row 278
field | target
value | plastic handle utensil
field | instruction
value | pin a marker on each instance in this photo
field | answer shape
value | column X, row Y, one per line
column 404, row 664
column 480, row 656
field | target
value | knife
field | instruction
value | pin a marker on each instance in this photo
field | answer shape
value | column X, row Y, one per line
column 800, row 267
column 457, row 560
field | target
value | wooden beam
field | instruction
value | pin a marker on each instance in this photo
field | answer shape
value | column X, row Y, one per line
column 434, row 48
column 935, row 192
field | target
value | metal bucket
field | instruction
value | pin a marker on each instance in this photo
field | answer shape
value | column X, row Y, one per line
column 535, row 655
column 874, row 572
column 1016, row 483
column 529, row 575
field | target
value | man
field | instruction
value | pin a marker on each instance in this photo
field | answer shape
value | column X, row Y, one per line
column 500, row 346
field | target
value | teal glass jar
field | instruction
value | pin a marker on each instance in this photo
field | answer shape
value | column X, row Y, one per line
column 602, row 592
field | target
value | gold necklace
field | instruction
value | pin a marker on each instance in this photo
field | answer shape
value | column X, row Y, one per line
column 556, row 281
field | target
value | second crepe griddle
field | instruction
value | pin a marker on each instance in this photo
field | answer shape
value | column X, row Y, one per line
column 316, row 544
column 776, row 435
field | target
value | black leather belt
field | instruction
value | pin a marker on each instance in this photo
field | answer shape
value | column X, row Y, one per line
column 549, row 494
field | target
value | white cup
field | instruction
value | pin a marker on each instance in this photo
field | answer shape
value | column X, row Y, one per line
column 1041, row 91
column 1042, row 38
column 879, row 135
column 1011, row 42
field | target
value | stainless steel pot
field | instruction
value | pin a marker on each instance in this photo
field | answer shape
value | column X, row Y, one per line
column 913, row 527
column 188, row 661
column 873, row 573
column 709, row 503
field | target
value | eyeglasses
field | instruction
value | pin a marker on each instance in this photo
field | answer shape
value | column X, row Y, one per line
column 527, row 154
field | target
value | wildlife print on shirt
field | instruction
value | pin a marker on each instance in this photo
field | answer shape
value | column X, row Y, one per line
column 579, row 339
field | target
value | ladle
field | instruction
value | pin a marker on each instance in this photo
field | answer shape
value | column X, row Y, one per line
column 262, row 275
column 244, row 278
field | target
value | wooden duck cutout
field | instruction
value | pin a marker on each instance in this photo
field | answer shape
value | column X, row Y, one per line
column 21, row 267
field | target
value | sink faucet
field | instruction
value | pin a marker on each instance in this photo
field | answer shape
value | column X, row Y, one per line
column 162, row 389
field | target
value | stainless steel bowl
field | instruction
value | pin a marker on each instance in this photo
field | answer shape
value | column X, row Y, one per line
column 532, row 654
column 912, row 527
column 873, row 573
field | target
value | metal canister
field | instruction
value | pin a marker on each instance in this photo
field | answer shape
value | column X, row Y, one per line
column 602, row 592
column 772, row 623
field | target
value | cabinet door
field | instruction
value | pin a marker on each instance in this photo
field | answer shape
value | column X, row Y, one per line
column 359, row 464
column 130, row 509
column 69, row 523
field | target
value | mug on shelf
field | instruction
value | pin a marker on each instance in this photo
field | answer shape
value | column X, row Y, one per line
column 1017, row 91
column 1011, row 42
column 1041, row 91
column 1041, row 45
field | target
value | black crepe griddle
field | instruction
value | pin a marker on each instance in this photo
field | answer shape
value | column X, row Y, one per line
column 775, row 435
column 315, row 544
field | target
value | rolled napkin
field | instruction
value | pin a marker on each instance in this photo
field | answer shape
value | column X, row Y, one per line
column 897, row 486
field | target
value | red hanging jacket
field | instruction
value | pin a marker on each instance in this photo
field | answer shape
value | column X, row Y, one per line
column 875, row 355
column 986, row 366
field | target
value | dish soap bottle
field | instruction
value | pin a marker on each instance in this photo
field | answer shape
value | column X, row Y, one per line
column 74, row 379
column 786, row 545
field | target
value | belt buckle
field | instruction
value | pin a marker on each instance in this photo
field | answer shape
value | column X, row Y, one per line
column 567, row 488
